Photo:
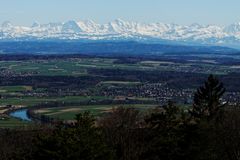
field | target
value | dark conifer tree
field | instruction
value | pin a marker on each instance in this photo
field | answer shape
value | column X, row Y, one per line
column 79, row 141
column 207, row 99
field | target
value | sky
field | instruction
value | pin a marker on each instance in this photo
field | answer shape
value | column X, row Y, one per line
column 25, row 12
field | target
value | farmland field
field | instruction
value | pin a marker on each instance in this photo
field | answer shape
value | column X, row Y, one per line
column 65, row 86
column 69, row 112
column 13, row 123
column 78, row 67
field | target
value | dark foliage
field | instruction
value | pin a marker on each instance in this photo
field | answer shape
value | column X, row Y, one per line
column 207, row 99
column 122, row 131
column 80, row 141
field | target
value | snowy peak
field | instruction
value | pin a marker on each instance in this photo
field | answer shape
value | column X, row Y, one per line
column 7, row 25
column 89, row 26
column 125, row 30
column 232, row 29
column 36, row 25
column 71, row 27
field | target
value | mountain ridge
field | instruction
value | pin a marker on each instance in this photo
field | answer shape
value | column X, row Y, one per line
column 196, row 34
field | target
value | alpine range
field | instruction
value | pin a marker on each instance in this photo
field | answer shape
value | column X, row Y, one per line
column 195, row 34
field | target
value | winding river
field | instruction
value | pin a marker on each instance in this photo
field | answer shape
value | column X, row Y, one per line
column 20, row 114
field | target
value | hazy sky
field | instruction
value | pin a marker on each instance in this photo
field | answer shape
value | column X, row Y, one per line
column 25, row 12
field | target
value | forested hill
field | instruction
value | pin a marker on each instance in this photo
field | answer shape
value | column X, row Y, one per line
column 109, row 48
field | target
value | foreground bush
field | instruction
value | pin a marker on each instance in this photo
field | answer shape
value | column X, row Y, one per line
column 80, row 140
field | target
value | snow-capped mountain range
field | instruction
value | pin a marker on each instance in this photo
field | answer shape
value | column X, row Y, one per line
column 123, row 30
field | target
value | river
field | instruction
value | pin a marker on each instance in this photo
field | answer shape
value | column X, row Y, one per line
column 20, row 114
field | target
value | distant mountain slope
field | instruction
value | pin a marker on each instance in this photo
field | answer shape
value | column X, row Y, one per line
column 109, row 48
column 194, row 34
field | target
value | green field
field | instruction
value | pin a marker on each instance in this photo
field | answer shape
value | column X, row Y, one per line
column 15, row 88
column 30, row 101
column 80, row 66
column 120, row 82
column 69, row 113
column 13, row 123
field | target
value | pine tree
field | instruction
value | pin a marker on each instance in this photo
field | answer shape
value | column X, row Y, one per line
column 78, row 141
column 207, row 99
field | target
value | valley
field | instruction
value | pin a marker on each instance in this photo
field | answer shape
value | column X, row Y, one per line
column 58, row 87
